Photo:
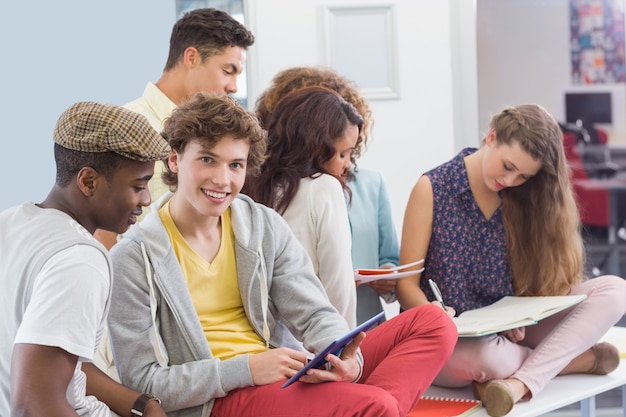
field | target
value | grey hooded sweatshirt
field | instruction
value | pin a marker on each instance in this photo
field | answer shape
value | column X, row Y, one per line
column 162, row 350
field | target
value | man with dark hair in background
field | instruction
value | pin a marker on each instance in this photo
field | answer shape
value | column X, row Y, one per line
column 207, row 53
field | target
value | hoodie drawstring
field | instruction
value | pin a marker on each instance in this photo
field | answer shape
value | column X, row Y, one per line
column 264, row 299
column 155, row 338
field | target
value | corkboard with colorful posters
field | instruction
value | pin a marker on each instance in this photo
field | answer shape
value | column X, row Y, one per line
column 597, row 41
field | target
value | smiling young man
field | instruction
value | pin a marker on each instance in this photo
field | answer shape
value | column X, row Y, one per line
column 223, row 296
column 55, row 278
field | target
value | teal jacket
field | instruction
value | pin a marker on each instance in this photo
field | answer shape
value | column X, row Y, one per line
column 374, row 238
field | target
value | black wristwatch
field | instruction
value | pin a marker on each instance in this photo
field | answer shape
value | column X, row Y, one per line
column 140, row 404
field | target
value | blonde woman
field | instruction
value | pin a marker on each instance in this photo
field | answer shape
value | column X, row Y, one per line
column 502, row 220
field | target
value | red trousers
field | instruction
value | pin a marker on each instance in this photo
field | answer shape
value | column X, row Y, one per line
column 401, row 357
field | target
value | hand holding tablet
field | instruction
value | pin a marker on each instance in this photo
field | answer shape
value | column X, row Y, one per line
column 335, row 348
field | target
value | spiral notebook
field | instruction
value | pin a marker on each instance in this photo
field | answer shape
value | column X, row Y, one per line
column 444, row 407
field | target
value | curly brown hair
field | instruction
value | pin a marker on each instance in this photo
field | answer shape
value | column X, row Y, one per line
column 298, row 77
column 208, row 118
column 301, row 135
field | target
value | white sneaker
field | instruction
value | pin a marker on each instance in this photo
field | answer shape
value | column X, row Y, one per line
column 621, row 233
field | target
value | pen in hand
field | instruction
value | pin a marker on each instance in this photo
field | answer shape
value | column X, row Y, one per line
column 438, row 297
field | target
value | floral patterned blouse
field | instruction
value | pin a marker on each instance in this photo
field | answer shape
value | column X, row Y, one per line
column 467, row 256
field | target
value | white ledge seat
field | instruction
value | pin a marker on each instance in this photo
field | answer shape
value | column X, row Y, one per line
column 562, row 390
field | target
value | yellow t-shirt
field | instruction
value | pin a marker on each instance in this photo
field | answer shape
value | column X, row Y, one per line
column 214, row 291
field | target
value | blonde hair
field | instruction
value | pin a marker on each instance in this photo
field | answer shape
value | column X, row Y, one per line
column 540, row 217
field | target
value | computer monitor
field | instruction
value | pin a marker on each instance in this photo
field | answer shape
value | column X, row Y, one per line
column 589, row 107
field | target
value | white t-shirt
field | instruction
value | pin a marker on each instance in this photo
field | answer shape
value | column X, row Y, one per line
column 67, row 309
column 63, row 303
column 68, row 301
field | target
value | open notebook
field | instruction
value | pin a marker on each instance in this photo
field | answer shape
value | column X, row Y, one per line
column 510, row 313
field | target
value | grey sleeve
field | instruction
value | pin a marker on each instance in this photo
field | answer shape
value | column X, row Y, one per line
column 187, row 379
column 298, row 293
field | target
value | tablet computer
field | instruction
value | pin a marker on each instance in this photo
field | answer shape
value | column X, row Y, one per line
column 335, row 348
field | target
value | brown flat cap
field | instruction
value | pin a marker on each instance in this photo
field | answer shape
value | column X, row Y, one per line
column 94, row 127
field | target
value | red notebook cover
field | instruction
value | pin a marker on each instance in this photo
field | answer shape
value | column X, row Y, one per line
column 444, row 407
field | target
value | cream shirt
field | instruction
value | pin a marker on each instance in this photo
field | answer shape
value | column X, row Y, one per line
column 156, row 107
column 319, row 218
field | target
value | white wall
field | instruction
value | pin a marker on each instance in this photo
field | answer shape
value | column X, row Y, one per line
column 58, row 52
column 411, row 134
column 464, row 74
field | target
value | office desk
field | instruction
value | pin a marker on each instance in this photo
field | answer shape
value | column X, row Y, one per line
column 612, row 152
column 613, row 186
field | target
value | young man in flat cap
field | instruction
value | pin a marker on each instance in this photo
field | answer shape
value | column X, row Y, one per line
column 207, row 54
column 55, row 278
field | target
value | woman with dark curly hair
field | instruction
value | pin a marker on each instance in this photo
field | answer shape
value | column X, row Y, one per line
column 311, row 136
column 374, row 239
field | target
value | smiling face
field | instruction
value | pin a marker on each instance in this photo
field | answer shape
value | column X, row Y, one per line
column 507, row 165
column 344, row 146
column 209, row 179
column 217, row 74
column 118, row 201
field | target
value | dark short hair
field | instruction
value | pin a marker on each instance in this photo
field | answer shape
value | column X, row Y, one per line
column 69, row 162
column 210, row 31
column 207, row 119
